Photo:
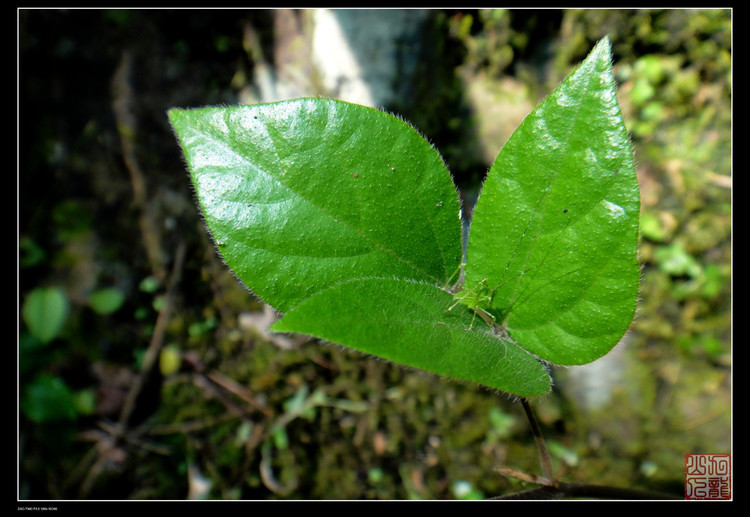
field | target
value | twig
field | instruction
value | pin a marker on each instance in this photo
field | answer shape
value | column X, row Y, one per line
column 122, row 106
column 524, row 476
column 234, row 387
column 190, row 426
column 107, row 443
column 267, row 476
column 151, row 357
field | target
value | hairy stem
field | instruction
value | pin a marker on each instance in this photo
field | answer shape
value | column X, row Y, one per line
column 553, row 489
column 575, row 490
column 543, row 453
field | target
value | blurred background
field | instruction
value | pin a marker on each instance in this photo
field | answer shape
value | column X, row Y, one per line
column 144, row 370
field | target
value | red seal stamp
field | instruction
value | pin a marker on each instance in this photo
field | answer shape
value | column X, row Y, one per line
column 708, row 477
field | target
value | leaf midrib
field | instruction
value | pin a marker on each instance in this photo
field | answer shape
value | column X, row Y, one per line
column 210, row 134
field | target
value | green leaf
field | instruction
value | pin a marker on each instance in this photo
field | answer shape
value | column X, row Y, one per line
column 45, row 311
column 554, row 234
column 46, row 399
column 413, row 324
column 300, row 195
column 346, row 219
column 107, row 300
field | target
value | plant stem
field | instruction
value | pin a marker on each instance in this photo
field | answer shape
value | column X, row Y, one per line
column 560, row 490
column 543, row 453
column 574, row 490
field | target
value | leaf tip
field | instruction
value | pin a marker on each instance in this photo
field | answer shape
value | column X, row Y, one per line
column 603, row 48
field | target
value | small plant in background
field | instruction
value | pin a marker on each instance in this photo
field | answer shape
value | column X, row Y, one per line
column 45, row 312
column 346, row 220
